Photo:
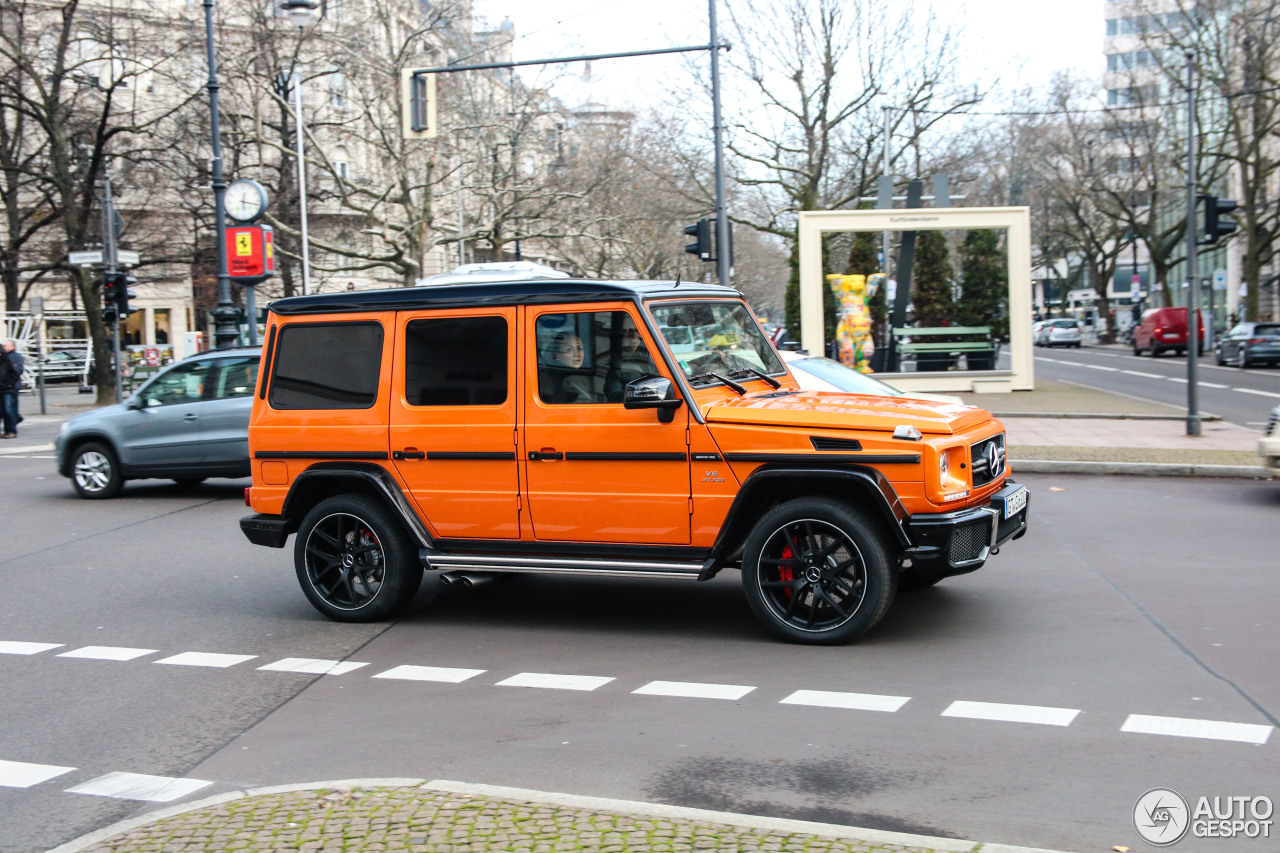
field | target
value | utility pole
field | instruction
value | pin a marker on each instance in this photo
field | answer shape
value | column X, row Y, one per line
column 109, row 270
column 1193, row 247
column 722, row 217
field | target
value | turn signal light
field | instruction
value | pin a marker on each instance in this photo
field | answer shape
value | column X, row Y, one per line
column 246, row 496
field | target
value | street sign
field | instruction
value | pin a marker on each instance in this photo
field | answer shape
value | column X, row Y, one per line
column 1219, row 279
column 85, row 259
column 127, row 258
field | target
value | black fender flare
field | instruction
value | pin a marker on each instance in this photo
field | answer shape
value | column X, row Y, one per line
column 372, row 479
column 762, row 485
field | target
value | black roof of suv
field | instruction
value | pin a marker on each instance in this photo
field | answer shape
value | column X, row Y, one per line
column 532, row 292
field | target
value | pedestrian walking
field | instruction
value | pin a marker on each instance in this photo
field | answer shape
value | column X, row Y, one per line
column 11, row 367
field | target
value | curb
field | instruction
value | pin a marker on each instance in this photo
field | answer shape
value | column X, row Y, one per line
column 1146, row 469
column 1109, row 416
column 26, row 448
column 632, row 807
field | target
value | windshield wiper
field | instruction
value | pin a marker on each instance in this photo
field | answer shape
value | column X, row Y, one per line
column 751, row 370
column 722, row 380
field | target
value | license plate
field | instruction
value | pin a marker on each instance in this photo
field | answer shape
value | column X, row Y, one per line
column 1015, row 503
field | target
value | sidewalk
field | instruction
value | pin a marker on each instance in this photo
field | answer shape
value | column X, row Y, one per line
column 1064, row 428
column 361, row 816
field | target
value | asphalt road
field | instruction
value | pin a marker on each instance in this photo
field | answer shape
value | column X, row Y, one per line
column 1131, row 598
column 1242, row 397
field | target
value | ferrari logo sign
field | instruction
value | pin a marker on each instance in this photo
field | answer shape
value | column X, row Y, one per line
column 250, row 253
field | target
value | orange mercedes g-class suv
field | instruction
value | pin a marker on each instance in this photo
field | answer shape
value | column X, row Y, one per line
column 603, row 428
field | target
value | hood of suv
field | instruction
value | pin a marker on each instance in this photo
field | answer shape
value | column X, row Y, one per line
column 838, row 410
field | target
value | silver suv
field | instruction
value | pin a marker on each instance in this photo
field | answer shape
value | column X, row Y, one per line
column 189, row 422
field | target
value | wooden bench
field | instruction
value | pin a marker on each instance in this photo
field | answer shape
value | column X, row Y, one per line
column 981, row 343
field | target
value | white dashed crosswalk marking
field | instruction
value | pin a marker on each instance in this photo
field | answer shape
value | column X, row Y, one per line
column 1012, row 713
column 552, row 681
column 430, row 673
column 20, row 774
column 11, row 647
column 1208, row 729
column 852, row 701
column 206, row 659
column 313, row 666
column 107, row 653
column 694, row 690
column 138, row 786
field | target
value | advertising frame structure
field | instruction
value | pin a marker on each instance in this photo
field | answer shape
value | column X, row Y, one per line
column 1014, row 221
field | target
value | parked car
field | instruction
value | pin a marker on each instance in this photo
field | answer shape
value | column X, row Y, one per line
column 1062, row 332
column 1163, row 329
column 819, row 373
column 188, row 423
column 1269, row 444
column 429, row 429
column 1249, row 343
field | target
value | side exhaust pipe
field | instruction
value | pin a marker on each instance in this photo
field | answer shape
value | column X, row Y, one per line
column 464, row 580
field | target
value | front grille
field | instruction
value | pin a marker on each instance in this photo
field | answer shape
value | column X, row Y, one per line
column 968, row 540
column 988, row 460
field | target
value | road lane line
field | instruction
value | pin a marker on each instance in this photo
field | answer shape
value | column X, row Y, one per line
column 1140, row 373
column 1204, row 384
column 139, row 786
column 551, row 681
column 851, row 701
column 313, row 666
column 694, row 690
column 1102, row 367
column 20, row 774
column 1253, row 391
column 13, row 647
column 206, row 659
column 107, row 653
column 430, row 673
column 1209, row 729
column 1012, row 713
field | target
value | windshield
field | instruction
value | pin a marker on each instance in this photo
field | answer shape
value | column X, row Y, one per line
column 715, row 337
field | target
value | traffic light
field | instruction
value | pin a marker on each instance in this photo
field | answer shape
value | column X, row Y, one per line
column 701, row 233
column 117, row 290
column 1216, row 222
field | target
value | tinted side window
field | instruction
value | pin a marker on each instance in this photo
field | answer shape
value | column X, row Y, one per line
column 327, row 366
column 456, row 361
column 589, row 357
column 237, row 377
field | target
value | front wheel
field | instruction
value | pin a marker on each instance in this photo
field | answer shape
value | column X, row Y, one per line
column 95, row 471
column 354, row 561
column 818, row 571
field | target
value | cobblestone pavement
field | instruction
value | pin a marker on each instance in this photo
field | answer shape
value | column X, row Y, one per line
column 415, row 817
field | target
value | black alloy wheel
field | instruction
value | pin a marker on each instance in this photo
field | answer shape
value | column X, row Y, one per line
column 354, row 561
column 817, row 571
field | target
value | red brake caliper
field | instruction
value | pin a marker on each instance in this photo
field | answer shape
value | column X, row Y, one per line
column 784, row 572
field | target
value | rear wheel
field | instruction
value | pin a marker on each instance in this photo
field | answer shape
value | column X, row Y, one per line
column 1155, row 350
column 818, row 571
column 1242, row 360
column 95, row 471
column 354, row 561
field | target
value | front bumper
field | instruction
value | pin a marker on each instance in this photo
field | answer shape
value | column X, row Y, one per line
column 962, row 541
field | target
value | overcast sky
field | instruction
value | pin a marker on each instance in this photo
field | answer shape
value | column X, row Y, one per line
column 1021, row 41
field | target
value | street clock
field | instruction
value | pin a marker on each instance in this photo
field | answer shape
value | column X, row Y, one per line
column 246, row 201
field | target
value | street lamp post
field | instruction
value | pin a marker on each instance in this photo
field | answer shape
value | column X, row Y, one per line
column 225, row 333
column 302, row 14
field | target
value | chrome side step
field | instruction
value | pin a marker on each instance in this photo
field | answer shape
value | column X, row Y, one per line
column 542, row 565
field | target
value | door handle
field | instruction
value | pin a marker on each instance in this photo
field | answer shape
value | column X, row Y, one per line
column 408, row 454
column 544, row 455
column 191, row 417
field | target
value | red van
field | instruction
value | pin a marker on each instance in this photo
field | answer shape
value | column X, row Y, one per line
column 1164, row 329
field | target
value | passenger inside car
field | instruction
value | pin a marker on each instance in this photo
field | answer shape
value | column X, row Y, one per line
column 561, row 378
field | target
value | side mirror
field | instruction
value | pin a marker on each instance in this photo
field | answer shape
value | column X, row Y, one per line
column 652, row 392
